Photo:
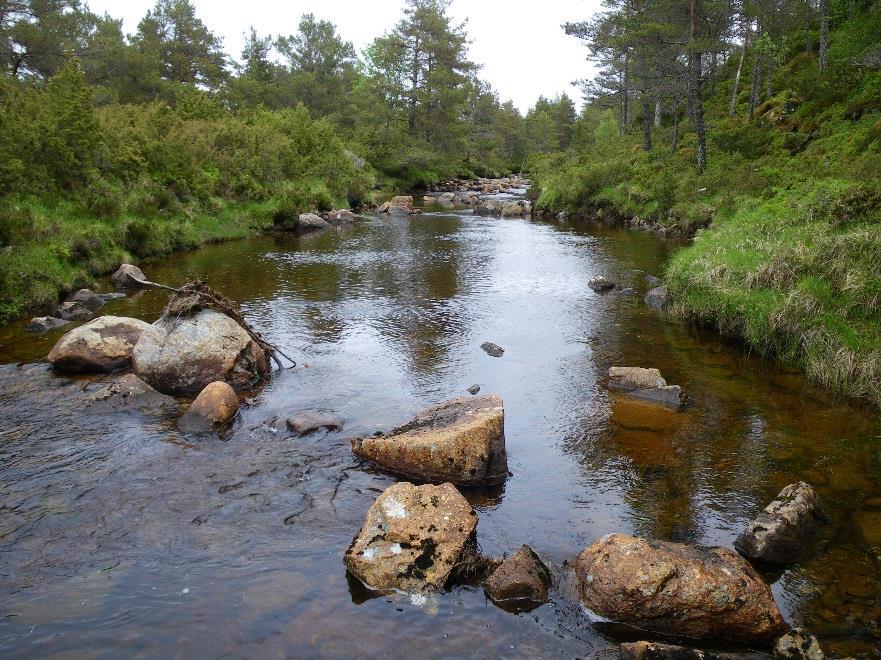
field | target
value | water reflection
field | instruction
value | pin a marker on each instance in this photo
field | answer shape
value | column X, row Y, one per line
column 119, row 532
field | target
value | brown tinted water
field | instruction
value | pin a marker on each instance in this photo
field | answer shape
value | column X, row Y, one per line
column 120, row 535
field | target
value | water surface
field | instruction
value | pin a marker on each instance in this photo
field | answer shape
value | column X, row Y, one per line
column 120, row 534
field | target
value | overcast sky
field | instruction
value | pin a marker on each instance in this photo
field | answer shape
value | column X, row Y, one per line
column 521, row 45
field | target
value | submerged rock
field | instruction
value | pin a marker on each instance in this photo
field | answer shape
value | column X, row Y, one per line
column 520, row 583
column 45, row 323
column 659, row 297
column 644, row 384
column 103, row 345
column 128, row 392
column 183, row 355
column 777, row 534
column 656, row 651
column 676, row 589
column 412, row 538
column 492, row 349
column 461, row 441
column 126, row 277
column 88, row 299
column 216, row 404
column 798, row 644
column 308, row 422
column 600, row 284
column 71, row 310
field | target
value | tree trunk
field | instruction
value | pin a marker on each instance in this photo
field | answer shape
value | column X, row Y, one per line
column 757, row 84
column 824, row 34
column 769, row 82
column 414, row 86
column 674, row 141
column 625, row 110
column 713, row 62
column 694, row 88
column 646, row 123
column 657, row 113
column 736, row 91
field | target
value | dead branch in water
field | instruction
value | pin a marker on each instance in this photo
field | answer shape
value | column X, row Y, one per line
column 195, row 296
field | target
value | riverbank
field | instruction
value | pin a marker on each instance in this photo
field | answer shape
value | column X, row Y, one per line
column 66, row 247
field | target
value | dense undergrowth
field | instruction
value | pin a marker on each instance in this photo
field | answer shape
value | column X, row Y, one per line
column 786, row 218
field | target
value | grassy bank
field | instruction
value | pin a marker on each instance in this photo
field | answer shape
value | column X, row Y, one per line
column 786, row 218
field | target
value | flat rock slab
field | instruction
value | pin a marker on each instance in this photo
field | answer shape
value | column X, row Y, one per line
column 778, row 533
column 309, row 422
column 183, row 355
column 520, row 583
column 128, row 392
column 45, row 323
column 412, row 538
column 676, row 589
column 644, row 384
column 103, row 345
column 461, row 441
column 491, row 349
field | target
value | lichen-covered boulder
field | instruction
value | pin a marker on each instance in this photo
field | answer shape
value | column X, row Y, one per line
column 103, row 345
column 676, row 589
column 216, row 404
column 127, row 276
column 183, row 355
column 798, row 644
column 412, row 538
column 645, row 384
column 777, row 534
column 520, row 583
column 461, row 441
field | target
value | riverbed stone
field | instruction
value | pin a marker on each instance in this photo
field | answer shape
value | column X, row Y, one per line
column 311, row 421
column 461, row 441
column 216, row 404
column 778, row 533
column 103, row 345
column 309, row 222
column 72, row 310
column 493, row 350
column 520, row 583
column 645, row 384
column 659, row 297
column 677, row 589
column 798, row 644
column 600, row 284
column 42, row 324
column 126, row 393
column 127, row 276
column 87, row 298
column 183, row 355
column 412, row 538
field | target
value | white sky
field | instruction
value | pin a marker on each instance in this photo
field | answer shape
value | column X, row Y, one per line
column 520, row 43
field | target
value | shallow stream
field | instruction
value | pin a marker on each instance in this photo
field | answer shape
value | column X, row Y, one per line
column 121, row 535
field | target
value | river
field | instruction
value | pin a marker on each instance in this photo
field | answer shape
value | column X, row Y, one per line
column 121, row 535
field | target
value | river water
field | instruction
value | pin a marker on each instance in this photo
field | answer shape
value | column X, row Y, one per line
column 121, row 535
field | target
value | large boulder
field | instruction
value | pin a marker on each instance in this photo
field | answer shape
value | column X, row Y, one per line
column 309, row 222
column 128, row 392
column 520, row 583
column 127, row 276
column 461, row 441
column 103, row 345
column 401, row 205
column 412, row 538
column 777, row 534
column 644, row 384
column 676, row 589
column 183, row 355
column 488, row 207
column 216, row 404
